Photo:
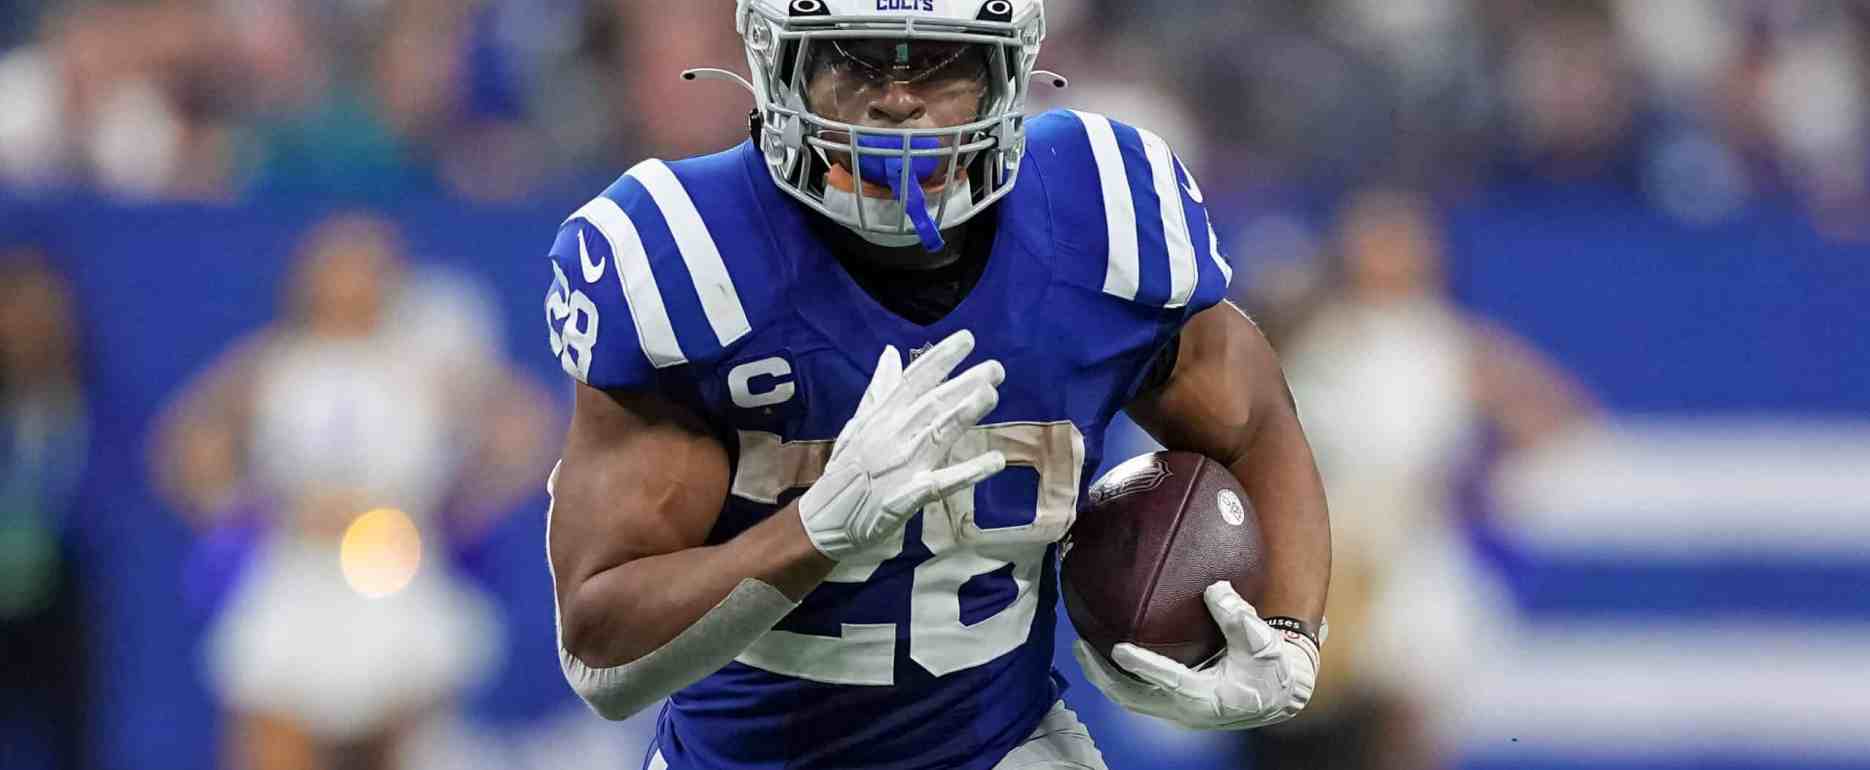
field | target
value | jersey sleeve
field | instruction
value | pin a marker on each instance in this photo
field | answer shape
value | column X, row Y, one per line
column 588, row 321
column 639, row 289
column 1131, row 213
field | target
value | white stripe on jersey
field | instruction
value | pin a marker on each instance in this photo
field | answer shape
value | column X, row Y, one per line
column 1122, row 275
column 719, row 301
column 653, row 329
column 1182, row 268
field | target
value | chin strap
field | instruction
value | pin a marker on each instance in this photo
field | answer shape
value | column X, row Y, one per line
column 890, row 168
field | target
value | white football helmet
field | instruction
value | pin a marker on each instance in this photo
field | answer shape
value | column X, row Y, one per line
column 782, row 36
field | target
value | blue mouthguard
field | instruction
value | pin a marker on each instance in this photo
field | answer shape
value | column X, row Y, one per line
column 890, row 169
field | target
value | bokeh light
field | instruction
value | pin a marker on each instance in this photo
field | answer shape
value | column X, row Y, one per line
column 381, row 552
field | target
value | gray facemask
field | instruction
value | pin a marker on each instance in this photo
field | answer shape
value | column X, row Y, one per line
column 889, row 212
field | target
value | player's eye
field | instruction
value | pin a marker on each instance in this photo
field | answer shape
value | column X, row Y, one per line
column 905, row 62
column 861, row 60
column 968, row 63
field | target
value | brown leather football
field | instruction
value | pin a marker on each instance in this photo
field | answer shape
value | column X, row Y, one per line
column 1157, row 531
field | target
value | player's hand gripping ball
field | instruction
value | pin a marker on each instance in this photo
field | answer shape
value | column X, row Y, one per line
column 1154, row 579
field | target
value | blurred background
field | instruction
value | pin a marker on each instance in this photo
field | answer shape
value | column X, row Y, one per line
column 1574, row 296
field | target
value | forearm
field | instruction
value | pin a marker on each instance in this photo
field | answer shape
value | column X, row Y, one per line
column 623, row 613
column 1281, row 479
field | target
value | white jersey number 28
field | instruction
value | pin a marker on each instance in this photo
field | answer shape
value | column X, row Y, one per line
column 571, row 323
column 865, row 653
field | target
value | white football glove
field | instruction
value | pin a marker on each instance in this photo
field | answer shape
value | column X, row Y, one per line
column 892, row 459
column 1265, row 676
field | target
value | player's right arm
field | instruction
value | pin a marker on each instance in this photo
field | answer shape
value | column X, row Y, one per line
column 633, row 500
column 646, row 606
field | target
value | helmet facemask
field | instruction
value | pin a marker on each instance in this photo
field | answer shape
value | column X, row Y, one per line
column 816, row 75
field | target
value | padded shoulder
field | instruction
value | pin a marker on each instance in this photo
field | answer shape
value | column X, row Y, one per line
column 1129, row 220
column 671, row 266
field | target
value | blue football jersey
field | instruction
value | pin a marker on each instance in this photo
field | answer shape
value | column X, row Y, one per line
column 701, row 280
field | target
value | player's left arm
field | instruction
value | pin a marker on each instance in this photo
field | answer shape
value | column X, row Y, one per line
column 1226, row 397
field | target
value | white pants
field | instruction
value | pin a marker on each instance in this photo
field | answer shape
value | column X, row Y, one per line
column 1059, row 743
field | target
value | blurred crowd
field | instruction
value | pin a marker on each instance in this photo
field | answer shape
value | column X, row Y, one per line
column 1702, row 105
column 219, row 99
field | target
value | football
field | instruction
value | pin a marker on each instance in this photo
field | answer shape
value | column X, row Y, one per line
column 1155, row 533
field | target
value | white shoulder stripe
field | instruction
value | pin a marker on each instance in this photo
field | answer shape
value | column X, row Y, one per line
column 1122, row 276
column 653, row 329
column 719, row 301
column 1182, row 267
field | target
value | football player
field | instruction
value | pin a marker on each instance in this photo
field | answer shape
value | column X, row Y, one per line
column 839, row 390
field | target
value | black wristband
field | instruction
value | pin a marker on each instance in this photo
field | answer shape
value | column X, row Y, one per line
column 1294, row 626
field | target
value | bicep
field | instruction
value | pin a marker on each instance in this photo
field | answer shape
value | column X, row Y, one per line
column 1226, row 385
column 640, row 476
